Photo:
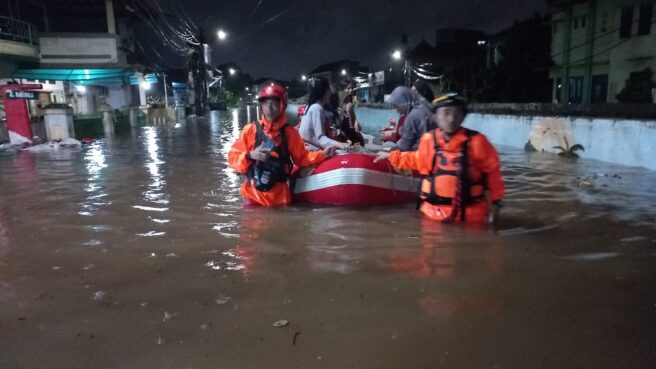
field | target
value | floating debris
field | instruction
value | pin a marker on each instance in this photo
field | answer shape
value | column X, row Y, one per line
column 221, row 300
column 634, row 239
column 592, row 256
column 168, row 316
column 281, row 323
column 99, row 295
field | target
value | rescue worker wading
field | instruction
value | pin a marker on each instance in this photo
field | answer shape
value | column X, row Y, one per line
column 266, row 150
column 462, row 180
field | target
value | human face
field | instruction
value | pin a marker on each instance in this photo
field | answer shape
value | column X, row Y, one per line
column 449, row 118
column 401, row 109
column 270, row 108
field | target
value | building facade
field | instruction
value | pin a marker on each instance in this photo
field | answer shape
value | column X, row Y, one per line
column 598, row 45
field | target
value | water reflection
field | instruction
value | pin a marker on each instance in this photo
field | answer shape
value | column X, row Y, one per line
column 95, row 158
column 155, row 192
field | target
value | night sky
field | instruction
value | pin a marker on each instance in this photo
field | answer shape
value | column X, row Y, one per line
column 285, row 38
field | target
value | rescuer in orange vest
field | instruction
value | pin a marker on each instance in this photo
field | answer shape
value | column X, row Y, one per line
column 462, row 179
column 267, row 149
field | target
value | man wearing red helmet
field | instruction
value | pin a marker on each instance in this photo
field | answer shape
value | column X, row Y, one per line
column 266, row 149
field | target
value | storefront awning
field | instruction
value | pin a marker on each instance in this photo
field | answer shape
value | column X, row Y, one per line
column 101, row 77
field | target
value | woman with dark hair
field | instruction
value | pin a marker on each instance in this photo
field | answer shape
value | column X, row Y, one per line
column 314, row 124
column 424, row 90
column 350, row 125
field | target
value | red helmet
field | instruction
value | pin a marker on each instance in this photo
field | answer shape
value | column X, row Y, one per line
column 276, row 91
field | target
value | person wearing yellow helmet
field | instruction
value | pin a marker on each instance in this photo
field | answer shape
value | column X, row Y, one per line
column 462, row 177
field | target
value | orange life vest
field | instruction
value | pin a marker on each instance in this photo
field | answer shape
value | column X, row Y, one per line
column 453, row 181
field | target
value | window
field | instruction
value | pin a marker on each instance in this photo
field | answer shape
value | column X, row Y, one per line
column 576, row 23
column 626, row 22
column 599, row 88
column 555, row 28
column 644, row 23
column 582, row 22
column 604, row 21
column 575, row 90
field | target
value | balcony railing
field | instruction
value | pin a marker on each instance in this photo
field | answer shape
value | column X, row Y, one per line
column 18, row 30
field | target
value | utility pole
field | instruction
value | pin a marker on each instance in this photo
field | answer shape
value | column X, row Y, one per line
column 166, row 94
column 200, row 75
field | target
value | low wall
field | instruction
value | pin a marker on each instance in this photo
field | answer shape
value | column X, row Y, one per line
column 622, row 141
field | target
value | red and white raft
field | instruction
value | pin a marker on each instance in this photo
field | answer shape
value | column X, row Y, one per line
column 355, row 180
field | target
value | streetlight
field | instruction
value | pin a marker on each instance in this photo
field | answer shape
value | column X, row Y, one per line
column 343, row 72
column 396, row 55
column 303, row 77
column 232, row 71
column 145, row 85
column 221, row 34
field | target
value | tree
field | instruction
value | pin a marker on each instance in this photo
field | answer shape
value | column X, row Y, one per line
column 522, row 75
column 638, row 88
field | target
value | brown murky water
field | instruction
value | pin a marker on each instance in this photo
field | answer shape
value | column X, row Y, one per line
column 135, row 252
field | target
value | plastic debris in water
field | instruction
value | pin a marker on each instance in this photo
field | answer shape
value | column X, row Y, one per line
column 281, row 323
column 90, row 266
column 168, row 316
column 99, row 295
column 220, row 299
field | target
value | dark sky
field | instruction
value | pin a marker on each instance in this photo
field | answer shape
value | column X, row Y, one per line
column 286, row 38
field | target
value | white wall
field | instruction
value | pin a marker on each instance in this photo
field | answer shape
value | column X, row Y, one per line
column 75, row 49
column 118, row 96
column 625, row 142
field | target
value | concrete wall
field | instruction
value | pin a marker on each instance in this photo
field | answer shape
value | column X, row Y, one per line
column 620, row 141
column 119, row 96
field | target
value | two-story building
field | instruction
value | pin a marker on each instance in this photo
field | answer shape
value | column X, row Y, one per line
column 597, row 45
column 80, row 50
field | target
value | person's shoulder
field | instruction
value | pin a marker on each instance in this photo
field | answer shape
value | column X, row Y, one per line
column 478, row 139
column 250, row 126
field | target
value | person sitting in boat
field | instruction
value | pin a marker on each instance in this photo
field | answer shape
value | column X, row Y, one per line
column 392, row 133
column 418, row 121
column 348, row 122
column 315, row 128
column 462, row 179
column 423, row 89
column 266, row 149
column 348, row 106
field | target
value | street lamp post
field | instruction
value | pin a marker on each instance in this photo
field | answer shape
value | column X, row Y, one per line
column 407, row 66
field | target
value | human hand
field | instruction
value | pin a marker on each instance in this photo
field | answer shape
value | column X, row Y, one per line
column 260, row 153
column 329, row 152
column 344, row 145
column 381, row 155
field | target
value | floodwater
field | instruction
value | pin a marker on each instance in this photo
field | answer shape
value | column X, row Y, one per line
column 135, row 252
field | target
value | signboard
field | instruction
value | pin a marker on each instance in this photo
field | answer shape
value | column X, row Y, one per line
column 151, row 78
column 25, row 95
column 379, row 78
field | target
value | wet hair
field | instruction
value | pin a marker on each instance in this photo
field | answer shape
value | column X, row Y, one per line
column 317, row 87
column 424, row 90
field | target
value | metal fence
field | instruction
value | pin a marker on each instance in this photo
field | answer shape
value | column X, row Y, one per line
column 17, row 30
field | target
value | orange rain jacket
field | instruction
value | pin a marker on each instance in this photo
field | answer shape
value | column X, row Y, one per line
column 482, row 157
column 239, row 160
